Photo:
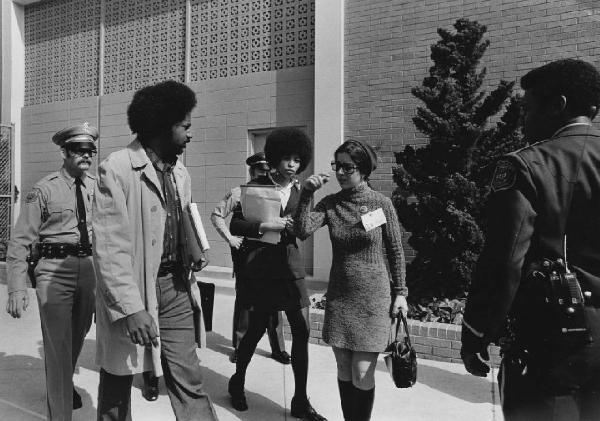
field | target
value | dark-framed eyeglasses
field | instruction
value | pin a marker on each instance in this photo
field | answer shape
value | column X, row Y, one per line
column 83, row 151
column 346, row 168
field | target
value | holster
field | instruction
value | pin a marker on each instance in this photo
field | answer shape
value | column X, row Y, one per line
column 32, row 260
column 546, row 316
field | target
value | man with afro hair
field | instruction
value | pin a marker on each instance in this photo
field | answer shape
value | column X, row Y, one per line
column 544, row 226
column 147, row 308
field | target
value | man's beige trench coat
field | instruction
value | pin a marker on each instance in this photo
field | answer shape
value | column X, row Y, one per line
column 128, row 220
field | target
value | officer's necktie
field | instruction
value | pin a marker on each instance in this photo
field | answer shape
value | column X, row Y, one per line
column 81, row 224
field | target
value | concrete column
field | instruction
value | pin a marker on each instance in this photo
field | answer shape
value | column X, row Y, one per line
column 6, row 61
column 13, row 79
column 329, row 110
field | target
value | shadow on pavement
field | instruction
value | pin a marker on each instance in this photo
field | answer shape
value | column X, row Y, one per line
column 218, row 343
column 216, row 384
column 261, row 408
column 461, row 386
column 23, row 384
column 228, row 291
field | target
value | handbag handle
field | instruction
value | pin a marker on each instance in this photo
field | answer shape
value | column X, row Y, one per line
column 404, row 322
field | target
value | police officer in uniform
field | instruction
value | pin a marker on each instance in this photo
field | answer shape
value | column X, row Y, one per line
column 57, row 215
column 544, row 199
column 258, row 168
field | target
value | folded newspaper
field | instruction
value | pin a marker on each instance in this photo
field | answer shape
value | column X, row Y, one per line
column 199, row 227
column 196, row 241
column 261, row 204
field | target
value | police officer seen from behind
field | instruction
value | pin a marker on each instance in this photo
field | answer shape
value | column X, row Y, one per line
column 57, row 215
column 544, row 199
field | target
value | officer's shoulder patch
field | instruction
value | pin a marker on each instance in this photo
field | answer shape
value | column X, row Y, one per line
column 49, row 177
column 505, row 176
column 32, row 196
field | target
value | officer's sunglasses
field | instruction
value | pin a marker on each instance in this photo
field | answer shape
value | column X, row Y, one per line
column 83, row 151
column 346, row 168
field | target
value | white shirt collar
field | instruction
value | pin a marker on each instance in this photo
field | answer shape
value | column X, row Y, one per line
column 563, row 128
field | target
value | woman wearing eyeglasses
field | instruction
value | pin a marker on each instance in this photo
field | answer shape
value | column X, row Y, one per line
column 361, row 298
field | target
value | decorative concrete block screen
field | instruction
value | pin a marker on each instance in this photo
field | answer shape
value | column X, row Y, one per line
column 237, row 37
column 145, row 43
column 62, row 41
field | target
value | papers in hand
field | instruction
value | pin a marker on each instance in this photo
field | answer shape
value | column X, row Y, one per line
column 196, row 243
column 199, row 227
column 261, row 204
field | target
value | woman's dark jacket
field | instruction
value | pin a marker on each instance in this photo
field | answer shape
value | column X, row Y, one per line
column 270, row 276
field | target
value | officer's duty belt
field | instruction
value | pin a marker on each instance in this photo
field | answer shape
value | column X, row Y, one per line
column 62, row 250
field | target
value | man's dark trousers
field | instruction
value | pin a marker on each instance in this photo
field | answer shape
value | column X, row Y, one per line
column 180, row 363
column 526, row 396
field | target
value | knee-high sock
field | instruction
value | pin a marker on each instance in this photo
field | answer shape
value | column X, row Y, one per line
column 346, row 397
column 363, row 404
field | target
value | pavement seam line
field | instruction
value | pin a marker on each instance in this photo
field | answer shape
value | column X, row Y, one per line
column 284, row 395
column 493, row 395
column 20, row 408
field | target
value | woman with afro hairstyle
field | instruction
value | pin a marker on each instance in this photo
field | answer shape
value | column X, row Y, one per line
column 272, row 275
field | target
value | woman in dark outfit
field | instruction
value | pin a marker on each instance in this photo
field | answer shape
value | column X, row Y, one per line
column 272, row 276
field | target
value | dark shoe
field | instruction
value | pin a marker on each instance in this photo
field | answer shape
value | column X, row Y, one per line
column 301, row 408
column 233, row 356
column 282, row 357
column 236, row 391
column 76, row 400
column 150, row 388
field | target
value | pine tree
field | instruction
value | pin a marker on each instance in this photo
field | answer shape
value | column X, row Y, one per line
column 442, row 186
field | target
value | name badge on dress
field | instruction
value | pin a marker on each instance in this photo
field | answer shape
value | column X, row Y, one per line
column 373, row 219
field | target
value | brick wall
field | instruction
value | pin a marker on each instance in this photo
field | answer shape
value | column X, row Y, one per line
column 432, row 341
column 387, row 53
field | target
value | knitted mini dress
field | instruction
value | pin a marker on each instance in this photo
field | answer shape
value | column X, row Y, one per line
column 360, row 287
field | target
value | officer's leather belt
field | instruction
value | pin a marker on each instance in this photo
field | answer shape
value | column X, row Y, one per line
column 62, row 250
column 166, row 268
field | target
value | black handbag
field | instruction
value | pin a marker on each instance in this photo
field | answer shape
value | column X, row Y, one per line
column 401, row 358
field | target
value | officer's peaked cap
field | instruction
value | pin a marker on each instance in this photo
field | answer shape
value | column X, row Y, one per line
column 81, row 133
column 258, row 160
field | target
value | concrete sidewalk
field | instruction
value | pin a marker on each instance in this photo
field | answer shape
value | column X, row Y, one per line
column 444, row 390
